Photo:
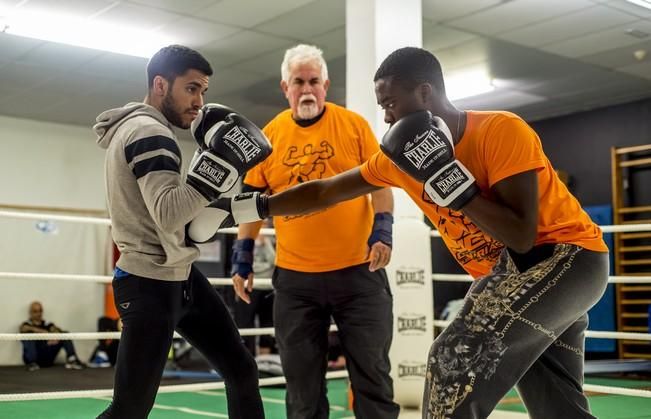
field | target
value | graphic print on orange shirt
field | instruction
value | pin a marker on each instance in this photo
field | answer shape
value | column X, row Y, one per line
column 308, row 164
column 465, row 240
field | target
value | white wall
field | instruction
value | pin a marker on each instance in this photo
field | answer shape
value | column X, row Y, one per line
column 53, row 165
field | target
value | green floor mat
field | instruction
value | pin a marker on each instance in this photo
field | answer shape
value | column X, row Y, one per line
column 213, row 404
column 170, row 405
column 603, row 406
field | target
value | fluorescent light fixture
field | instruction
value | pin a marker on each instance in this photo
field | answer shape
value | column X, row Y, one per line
column 467, row 83
column 642, row 3
column 81, row 32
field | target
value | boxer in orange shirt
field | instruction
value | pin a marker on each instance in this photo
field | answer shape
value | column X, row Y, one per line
column 484, row 181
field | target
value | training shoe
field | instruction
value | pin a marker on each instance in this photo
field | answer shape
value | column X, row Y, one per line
column 74, row 364
column 33, row 366
column 100, row 360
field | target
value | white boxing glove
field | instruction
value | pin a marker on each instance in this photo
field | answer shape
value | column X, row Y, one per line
column 227, row 212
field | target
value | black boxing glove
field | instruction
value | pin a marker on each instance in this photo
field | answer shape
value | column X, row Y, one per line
column 421, row 145
column 229, row 145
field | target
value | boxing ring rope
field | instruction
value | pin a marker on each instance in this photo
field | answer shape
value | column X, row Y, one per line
column 94, row 220
column 596, row 334
column 55, row 395
column 266, row 282
column 261, row 282
column 253, row 331
column 621, row 279
column 107, row 279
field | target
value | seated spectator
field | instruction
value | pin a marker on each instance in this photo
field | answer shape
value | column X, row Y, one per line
column 42, row 353
column 106, row 351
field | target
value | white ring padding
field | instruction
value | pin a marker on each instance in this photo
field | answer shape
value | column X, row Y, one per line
column 265, row 283
column 628, row 228
column 56, row 395
column 617, row 335
column 617, row 390
column 97, row 220
column 597, row 334
column 258, row 283
column 452, row 278
column 253, row 331
column 101, row 279
column 55, row 217
column 265, row 231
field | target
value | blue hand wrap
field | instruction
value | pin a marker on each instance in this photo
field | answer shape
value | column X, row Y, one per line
column 382, row 229
column 242, row 259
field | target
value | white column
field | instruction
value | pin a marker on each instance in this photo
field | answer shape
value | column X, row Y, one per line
column 374, row 29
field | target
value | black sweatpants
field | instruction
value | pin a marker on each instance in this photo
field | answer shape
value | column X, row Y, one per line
column 521, row 325
column 151, row 310
column 360, row 302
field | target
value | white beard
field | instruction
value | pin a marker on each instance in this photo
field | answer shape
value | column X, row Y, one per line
column 307, row 107
column 307, row 111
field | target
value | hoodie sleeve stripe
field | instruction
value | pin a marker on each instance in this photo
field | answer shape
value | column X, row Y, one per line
column 154, row 164
column 149, row 144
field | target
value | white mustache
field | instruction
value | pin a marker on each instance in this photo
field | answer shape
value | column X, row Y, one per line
column 306, row 98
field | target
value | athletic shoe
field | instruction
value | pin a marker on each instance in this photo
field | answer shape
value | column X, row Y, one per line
column 100, row 360
column 74, row 364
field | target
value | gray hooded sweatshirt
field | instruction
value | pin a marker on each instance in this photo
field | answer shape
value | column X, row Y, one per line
column 148, row 199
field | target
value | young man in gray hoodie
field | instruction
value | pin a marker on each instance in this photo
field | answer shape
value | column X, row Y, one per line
column 157, row 289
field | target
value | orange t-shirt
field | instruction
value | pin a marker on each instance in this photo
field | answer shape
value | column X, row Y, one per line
column 334, row 238
column 496, row 145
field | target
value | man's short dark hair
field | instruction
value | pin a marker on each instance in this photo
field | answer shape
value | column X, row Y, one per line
column 175, row 60
column 412, row 66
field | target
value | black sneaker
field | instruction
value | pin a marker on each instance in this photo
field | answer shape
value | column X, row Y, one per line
column 33, row 366
column 75, row 364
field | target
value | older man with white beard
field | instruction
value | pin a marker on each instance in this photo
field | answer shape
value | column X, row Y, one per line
column 329, row 263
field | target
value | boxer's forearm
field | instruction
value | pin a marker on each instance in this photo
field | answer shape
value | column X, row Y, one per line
column 319, row 194
column 512, row 216
column 382, row 200
column 249, row 230
column 501, row 223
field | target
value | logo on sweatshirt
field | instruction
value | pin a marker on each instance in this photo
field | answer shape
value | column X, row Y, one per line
column 426, row 144
column 241, row 144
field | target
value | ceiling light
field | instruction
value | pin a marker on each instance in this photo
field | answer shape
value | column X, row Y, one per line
column 81, row 32
column 639, row 54
column 643, row 3
column 467, row 83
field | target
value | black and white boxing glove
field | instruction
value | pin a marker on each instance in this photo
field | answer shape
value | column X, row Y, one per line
column 227, row 212
column 421, row 145
column 229, row 145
